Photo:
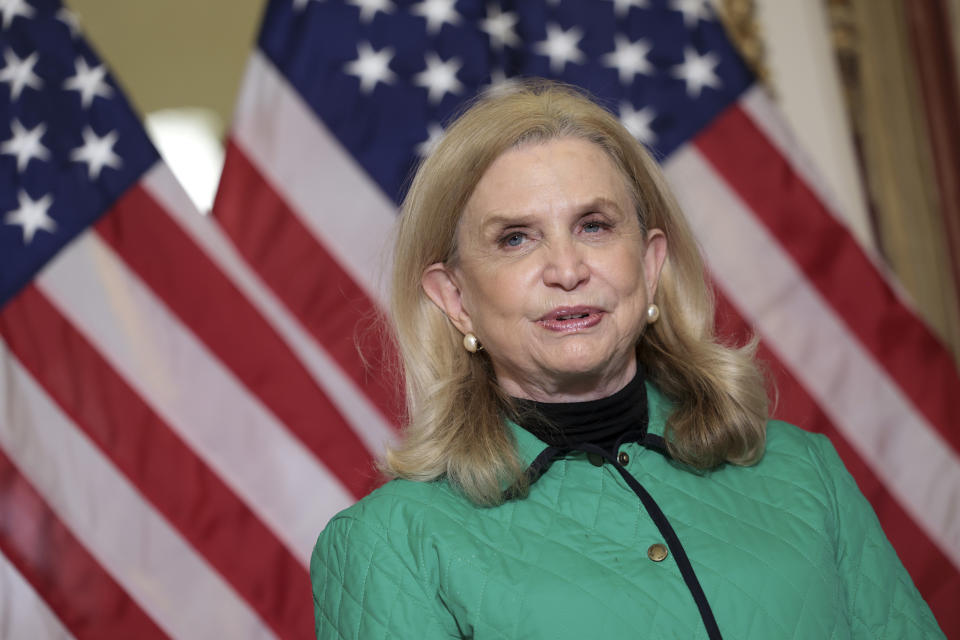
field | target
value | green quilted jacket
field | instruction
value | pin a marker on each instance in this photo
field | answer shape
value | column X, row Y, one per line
column 787, row 548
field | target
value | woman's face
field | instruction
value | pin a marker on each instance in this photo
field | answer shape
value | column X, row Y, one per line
column 554, row 274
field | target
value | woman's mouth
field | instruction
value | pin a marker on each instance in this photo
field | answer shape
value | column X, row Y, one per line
column 570, row 319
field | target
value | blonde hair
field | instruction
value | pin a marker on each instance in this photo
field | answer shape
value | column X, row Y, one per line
column 456, row 410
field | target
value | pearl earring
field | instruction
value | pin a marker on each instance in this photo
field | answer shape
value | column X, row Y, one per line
column 471, row 344
column 653, row 313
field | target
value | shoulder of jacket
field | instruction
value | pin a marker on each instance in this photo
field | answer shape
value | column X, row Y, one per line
column 400, row 506
column 785, row 439
column 801, row 458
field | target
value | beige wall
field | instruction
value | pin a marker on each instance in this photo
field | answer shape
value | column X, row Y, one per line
column 174, row 53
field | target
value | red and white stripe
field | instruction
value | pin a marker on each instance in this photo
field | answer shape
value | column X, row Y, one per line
column 369, row 423
column 318, row 180
column 24, row 613
column 187, row 408
column 211, row 434
column 125, row 536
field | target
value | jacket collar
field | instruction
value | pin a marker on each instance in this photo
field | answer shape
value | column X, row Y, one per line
column 658, row 407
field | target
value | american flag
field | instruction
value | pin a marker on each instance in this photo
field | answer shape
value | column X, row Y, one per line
column 182, row 404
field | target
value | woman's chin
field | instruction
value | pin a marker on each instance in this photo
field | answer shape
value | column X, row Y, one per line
column 572, row 367
column 588, row 371
column 589, row 358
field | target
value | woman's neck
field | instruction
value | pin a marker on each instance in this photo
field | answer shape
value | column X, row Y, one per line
column 601, row 421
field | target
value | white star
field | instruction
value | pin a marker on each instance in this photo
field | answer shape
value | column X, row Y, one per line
column 70, row 19
column 561, row 47
column 32, row 216
column 622, row 7
column 697, row 71
column 638, row 122
column 10, row 9
column 629, row 59
column 499, row 26
column 89, row 82
column 25, row 144
column 692, row 10
column 439, row 78
column 371, row 66
column 19, row 73
column 97, row 152
column 434, row 136
column 369, row 8
column 437, row 12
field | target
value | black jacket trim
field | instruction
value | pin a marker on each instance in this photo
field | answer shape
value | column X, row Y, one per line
column 542, row 463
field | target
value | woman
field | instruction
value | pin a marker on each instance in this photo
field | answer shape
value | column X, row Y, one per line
column 583, row 459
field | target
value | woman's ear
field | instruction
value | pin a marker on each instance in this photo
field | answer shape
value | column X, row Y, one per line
column 653, row 259
column 440, row 285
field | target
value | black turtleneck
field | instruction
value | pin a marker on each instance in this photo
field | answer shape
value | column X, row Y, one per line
column 598, row 422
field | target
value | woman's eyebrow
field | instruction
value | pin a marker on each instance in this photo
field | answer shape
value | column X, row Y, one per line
column 601, row 202
column 500, row 220
column 506, row 219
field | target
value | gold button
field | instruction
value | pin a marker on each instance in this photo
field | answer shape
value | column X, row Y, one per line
column 657, row 552
column 623, row 458
column 595, row 459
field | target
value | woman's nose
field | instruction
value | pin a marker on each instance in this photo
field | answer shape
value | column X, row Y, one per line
column 565, row 266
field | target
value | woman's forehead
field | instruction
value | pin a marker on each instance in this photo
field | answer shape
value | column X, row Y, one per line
column 568, row 172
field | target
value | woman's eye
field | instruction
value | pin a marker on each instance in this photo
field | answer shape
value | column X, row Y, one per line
column 513, row 240
column 594, row 226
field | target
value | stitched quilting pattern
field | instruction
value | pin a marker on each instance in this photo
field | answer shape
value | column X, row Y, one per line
column 570, row 560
